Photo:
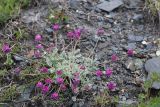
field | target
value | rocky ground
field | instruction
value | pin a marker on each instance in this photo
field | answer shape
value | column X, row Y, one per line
column 126, row 27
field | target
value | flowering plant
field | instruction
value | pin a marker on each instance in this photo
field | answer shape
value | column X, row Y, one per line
column 69, row 65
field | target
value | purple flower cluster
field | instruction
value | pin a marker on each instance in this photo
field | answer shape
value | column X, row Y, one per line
column 100, row 31
column 109, row 72
column 55, row 27
column 48, row 81
column 130, row 52
column 44, row 88
column 60, row 80
column 44, row 69
column 6, row 48
column 111, row 85
column 39, row 85
column 37, row 53
column 99, row 73
column 39, row 46
column 17, row 70
column 76, row 34
column 55, row 96
column 114, row 57
column 59, row 72
column 38, row 37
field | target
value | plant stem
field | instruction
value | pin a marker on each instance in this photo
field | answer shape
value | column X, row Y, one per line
column 75, row 45
column 94, row 49
column 67, row 46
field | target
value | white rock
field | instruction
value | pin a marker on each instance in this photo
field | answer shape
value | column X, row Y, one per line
column 158, row 53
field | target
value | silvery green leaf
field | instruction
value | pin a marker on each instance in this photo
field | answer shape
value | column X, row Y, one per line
column 78, row 56
column 48, row 61
column 51, row 71
column 77, row 51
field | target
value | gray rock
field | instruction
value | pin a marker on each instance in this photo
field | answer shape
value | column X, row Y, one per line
column 127, row 103
column 123, row 98
column 81, row 104
column 49, row 31
column 130, row 65
column 133, row 38
column 137, row 17
column 149, row 46
column 110, row 5
column 138, row 63
column 133, row 3
column 131, row 46
column 74, row 98
column 96, row 9
column 25, row 93
column 31, row 17
column 74, row 4
column 153, row 66
column 4, row 105
column 18, row 58
column 36, row 16
column 94, row 87
column 75, row 104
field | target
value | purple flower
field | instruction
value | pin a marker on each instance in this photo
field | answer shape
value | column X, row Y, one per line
column 70, row 35
column 82, row 67
column 54, row 96
column 108, row 72
column 76, row 74
column 77, row 33
column 99, row 73
column 74, row 89
column 39, row 85
column 63, row 87
column 76, row 81
column 59, row 72
column 48, row 81
column 37, row 54
column 6, row 49
column 17, row 70
column 38, row 37
column 44, row 69
column 45, row 89
column 39, row 46
column 55, row 27
column 114, row 57
column 100, row 31
column 130, row 52
column 60, row 80
column 111, row 86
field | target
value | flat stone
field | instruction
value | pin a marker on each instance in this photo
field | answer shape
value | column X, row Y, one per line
column 153, row 66
column 110, row 5
column 133, row 38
